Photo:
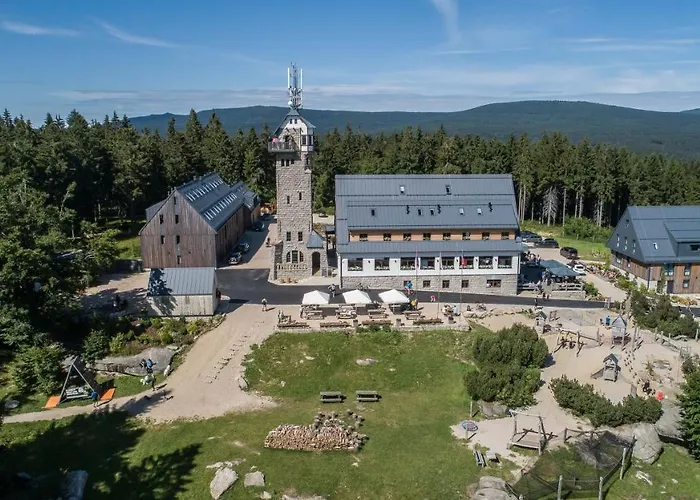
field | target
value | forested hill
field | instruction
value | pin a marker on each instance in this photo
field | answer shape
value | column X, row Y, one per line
column 676, row 134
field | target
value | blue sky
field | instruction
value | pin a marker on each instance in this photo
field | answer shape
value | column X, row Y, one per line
column 156, row 56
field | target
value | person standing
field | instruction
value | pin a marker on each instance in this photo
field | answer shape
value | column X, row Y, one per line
column 264, row 305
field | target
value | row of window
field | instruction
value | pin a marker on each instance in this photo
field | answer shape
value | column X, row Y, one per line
column 177, row 239
column 466, row 236
column 300, row 236
column 694, row 247
column 432, row 263
column 161, row 217
column 668, row 268
column 446, row 284
column 289, row 198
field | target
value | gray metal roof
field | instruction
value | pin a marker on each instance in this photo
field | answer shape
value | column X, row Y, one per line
column 433, row 201
column 315, row 240
column 658, row 234
column 153, row 209
column 173, row 281
column 357, row 249
column 215, row 200
column 293, row 113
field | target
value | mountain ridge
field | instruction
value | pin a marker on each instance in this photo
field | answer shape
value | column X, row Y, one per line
column 642, row 131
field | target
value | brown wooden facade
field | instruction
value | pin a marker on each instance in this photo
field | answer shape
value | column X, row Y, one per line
column 435, row 234
column 178, row 236
column 678, row 278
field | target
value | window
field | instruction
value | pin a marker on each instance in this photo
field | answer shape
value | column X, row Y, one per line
column 354, row 264
column 294, row 257
column 289, row 200
column 617, row 244
column 466, row 263
column 432, row 211
column 485, row 236
column 177, row 219
column 426, row 283
column 174, row 200
column 160, row 218
column 686, row 283
column 307, row 161
column 363, row 236
column 465, row 283
column 373, row 212
column 668, row 269
column 300, row 236
column 656, row 245
column 177, row 239
column 485, row 263
column 162, row 239
column 407, row 236
column 447, row 263
column 686, row 270
column 303, row 140
column 426, row 236
column 493, row 283
column 420, row 211
column 448, row 190
column 289, row 236
column 634, row 245
column 445, row 283
column 402, row 189
column 618, row 259
column 625, row 242
column 694, row 248
column 291, row 161
column 179, row 260
column 381, row 264
column 505, row 262
column 408, row 263
column 299, row 195
column 387, row 236
column 427, row 263
column 446, row 236
column 627, row 222
column 505, row 235
column 466, row 236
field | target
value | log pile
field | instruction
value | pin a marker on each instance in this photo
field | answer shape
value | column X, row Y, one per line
column 328, row 432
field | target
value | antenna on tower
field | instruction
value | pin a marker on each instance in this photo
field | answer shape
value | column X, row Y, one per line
column 294, row 87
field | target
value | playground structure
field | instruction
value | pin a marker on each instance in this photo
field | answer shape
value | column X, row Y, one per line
column 528, row 438
column 569, row 339
column 76, row 369
column 610, row 370
column 618, row 330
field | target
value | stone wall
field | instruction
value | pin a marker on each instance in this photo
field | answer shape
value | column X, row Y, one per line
column 477, row 283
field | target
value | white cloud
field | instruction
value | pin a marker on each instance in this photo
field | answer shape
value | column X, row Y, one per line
column 628, row 45
column 33, row 30
column 449, row 10
column 135, row 39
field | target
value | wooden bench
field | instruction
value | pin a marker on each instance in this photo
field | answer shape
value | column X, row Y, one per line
column 377, row 313
column 334, row 324
column 367, row 396
column 314, row 315
column 293, row 324
column 331, row 397
column 376, row 322
column 427, row 321
column 414, row 315
column 479, row 457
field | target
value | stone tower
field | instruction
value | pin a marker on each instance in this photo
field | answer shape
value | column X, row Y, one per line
column 300, row 251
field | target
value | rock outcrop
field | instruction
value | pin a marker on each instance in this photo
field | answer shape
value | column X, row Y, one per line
column 223, row 480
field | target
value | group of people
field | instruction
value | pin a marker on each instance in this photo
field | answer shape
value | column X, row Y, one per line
column 150, row 376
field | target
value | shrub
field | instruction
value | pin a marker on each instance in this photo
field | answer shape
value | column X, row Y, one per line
column 519, row 345
column 38, row 369
column 586, row 229
column 590, row 289
column 95, row 346
column 583, row 401
column 690, row 419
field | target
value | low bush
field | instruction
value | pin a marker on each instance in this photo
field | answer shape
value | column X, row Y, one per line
column 582, row 228
column 590, row 289
column 583, row 401
column 38, row 369
column 508, row 366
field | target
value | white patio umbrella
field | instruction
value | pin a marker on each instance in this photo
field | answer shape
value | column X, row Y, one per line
column 356, row 297
column 315, row 298
column 394, row 296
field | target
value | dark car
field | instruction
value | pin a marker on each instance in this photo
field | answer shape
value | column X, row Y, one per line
column 265, row 216
column 547, row 243
column 235, row 258
column 242, row 247
column 529, row 237
column 258, row 226
column 569, row 253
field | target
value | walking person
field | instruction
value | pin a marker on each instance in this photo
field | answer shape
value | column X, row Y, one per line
column 95, row 398
column 264, row 305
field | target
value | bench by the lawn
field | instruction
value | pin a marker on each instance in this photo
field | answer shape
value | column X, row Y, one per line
column 479, row 457
column 427, row 321
column 331, row 397
column 367, row 396
column 293, row 324
column 376, row 322
column 334, row 324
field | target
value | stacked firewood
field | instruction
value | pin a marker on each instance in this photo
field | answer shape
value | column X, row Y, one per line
column 328, row 432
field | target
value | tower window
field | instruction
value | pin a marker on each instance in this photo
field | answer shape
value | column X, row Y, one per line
column 162, row 239
column 177, row 219
column 177, row 239
column 289, row 236
column 174, row 200
column 179, row 260
column 300, row 236
column 160, row 218
column 288, row 200
column 291, row 161
column 373, row 212
column 299, row 195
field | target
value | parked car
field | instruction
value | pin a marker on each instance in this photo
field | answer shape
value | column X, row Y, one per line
column 548, row 243
column 579, row 269
column 258, row 226
column 531, row 238
column 235, row 258
column 242, row 247
column 569, row 253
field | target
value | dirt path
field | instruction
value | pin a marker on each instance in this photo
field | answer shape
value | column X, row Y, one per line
column 205, row 385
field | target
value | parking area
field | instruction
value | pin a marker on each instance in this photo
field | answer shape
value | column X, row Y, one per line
column 258, row 256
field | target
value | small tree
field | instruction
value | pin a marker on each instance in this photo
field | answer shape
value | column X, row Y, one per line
column 95, row 346
column 38, row 368
column 690, row 420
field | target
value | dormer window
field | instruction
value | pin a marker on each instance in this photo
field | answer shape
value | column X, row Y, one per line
column 461, row 211
column 432, row 211
column 448, row 189
column 402, row 189
column 627, row 223
column 478, row 211
column 617, row 244
column 634, row 245
column 373, row 212
column 656, row 245
column 420, row 211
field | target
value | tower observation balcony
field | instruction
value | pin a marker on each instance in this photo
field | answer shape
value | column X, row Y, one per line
column 277, row 146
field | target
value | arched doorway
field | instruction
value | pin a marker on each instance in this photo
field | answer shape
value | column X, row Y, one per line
column 315, row 262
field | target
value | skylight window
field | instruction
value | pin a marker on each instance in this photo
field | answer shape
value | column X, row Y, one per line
column 461, row 211
column 478, row 211
column 402, row 189
column 656, row 246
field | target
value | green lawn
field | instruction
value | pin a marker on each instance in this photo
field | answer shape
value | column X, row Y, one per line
column 410, row 454
column 587, row 249
column 129, row 247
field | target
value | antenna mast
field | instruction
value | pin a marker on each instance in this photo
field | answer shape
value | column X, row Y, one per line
column 294, row 87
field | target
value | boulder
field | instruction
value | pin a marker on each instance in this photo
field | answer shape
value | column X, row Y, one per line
column 492, row 488
column 647, row 446
column 242, row 383
column 266, row 495
column 161, row 356
column 74, row 484
column 493, row 410
column 223, row 480
column 669, row 425
column 366, row 362
column 254, row 479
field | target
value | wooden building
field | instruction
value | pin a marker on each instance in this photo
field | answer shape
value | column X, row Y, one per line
column 659, row 246
column 198, row 224
column 182, row 292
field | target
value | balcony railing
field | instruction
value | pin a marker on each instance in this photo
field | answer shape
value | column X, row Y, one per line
column 282, row 146
column 292, row 267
